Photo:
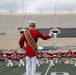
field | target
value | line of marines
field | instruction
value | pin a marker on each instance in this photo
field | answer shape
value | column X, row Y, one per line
column 58, row 57
column 17, row 57
column 12, row 57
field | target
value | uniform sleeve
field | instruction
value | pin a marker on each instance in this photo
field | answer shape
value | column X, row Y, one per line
column 56, row 54
column 45, row 37
column 66, row 53
column 2, row 55
column 21, row 40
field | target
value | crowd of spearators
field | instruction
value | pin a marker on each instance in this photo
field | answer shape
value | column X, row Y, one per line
column 17, row 58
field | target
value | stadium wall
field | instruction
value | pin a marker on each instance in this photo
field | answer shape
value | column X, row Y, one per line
column 9, row 24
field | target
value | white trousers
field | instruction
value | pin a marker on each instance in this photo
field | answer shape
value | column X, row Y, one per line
column 51, row 63
column 37, row 61
column 75, row 62
column 10, row 63
column 69, row 59
column 21, row 63
column 31, row 65
column 58, row 60
column 1, row 62
column 40, row 60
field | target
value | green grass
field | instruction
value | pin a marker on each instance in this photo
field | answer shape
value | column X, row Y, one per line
column 71, row 69
column 12, row 71
column 58, row 68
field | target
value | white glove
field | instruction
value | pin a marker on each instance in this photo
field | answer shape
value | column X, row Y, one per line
column 50, row 34
column 23, row 47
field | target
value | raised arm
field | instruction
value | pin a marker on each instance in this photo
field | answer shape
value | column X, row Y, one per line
column 45, row 37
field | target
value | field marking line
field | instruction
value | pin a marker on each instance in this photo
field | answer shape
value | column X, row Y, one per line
column 38, row 73
column 47, row 70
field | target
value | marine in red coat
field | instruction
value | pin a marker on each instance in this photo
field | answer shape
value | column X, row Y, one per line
column 69, row 58
column 59, row 56
column 40, row 54
column 9, row 58
column 1, row 55
column 75, row 58
column 29, row 51
column 50, row 54
column 21, row 55
column 9, row 55
column 69, row 53
column 75, row 54
column 47, row 54
column 15, row 56
column 1, row 58
column 35, row 34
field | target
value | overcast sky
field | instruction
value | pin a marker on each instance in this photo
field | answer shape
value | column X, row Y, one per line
column 37, row 6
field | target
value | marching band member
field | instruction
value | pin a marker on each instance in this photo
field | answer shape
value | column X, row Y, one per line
column 21, row 62
column 47, row 58
column 37, row 61
column 75, row 58
column 40, row 57
column 31, row 47
column 50, row 55
column 9, row 58
column 59, row 56
column 1, row 58
column 69, row 56
column 15, row 57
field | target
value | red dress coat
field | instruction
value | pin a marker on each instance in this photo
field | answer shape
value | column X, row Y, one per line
column 9, row 56
column 50, row 56
column 35, row 34
column 59, row 54
column 1, row 55
column 15, row 54
column 69, row 53
column 74, row 54
column 21, row 56
column 40, row 54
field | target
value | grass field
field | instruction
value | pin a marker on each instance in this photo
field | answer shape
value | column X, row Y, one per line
column 71, row 69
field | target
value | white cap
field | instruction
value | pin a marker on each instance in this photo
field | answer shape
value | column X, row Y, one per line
column 23, row 29
column 40, row 47
column 32, row 21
